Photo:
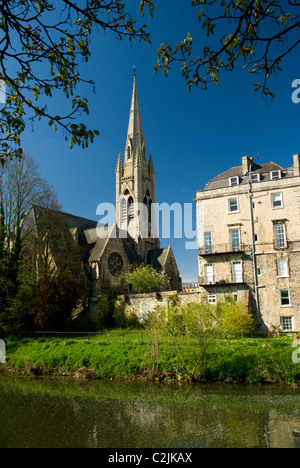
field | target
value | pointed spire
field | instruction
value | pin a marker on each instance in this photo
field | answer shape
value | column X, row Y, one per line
column 120, row 163
column 151, row 165
column 135, row 134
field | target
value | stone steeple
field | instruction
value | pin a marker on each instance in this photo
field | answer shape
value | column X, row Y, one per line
column 136, row 184
column 135, row 141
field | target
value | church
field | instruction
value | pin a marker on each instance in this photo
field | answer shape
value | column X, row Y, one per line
column 132, row 240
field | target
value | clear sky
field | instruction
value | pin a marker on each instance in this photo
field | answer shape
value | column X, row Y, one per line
column 192, row 137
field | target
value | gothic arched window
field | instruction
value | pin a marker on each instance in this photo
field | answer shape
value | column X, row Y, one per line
column 150, row 213
column 128, row 152
column 123, row 211
column 130, row 209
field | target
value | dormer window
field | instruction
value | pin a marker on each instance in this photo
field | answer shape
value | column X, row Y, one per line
column 255, row 177
column 234, row 181
column 275, row 175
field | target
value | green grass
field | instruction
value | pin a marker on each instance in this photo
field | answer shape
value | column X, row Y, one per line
column 117, row 354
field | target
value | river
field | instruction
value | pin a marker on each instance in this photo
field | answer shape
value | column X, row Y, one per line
column 42, row 413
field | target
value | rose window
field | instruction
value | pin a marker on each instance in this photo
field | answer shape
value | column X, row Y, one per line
column 115, row 264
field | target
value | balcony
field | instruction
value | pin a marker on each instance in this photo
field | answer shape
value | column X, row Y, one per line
column 221, row 280
column 220, row 249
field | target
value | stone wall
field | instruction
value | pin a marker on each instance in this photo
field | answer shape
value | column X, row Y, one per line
column 142, row 304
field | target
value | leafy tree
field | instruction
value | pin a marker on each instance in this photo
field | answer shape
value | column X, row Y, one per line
column 193, row 326
column 236, row 319
column 258, row 34
column 3, row 259
column 2, row 229
column 193, row 329
column 17, row 314
column 145, row 279
column 42, row 43
column 55, row 261
column 56, row 299
column 105, row 311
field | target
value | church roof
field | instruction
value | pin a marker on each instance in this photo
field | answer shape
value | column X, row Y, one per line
column 38, row 215
column 95, row 250
column 130, row 250
column 157, row 258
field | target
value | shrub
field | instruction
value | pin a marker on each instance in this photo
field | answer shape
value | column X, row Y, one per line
column 145, row 279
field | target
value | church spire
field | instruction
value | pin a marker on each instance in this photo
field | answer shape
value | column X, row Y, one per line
column 135, row 135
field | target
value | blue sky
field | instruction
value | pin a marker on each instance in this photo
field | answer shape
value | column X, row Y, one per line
column 192, row 136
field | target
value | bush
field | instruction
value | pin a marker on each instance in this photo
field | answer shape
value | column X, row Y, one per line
column 237, row 321
column 145, row 279
column 105, row 312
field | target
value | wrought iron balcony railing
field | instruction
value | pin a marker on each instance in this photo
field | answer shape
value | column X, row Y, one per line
column 221, row 280
column 216, row 249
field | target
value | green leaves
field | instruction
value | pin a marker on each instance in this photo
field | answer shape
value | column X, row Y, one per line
column 233, row 33
column 37, row 32
column 145, row 279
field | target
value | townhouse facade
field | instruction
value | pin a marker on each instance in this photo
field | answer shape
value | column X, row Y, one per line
column 248, row 223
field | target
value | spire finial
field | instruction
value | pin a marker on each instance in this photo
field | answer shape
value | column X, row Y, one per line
column 134, row 71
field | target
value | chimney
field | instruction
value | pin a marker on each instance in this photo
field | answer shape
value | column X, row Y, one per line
column 246, row 164
column 296, row 166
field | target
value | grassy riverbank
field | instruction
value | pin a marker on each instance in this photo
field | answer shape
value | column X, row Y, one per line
column 137, row 355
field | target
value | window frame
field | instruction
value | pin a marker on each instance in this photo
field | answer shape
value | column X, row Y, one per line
column 252, row 180
column 282, row 298
column 130, row 208
column 235, row 274
column 208, row 242
column 234, row 239
column 209, row 279
column 286, row 270
column 212, row 299
column 278, row 171
column 236, row 179
column 259, row 271
column 281, row 200
column 276, row 242
column 237, row 204
column 282, row 320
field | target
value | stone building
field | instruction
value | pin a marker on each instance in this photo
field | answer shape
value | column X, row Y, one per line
column 248, row 222
column 109, row 251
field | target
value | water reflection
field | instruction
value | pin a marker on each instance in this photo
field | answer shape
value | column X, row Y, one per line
column 41, row 413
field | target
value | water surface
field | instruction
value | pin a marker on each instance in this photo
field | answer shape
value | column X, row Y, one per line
column 112, row 414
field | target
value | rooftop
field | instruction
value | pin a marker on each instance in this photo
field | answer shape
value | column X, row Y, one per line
column 236, row 175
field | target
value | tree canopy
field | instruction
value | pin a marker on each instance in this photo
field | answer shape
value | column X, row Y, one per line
column 43, row 42
column 258, row 34
column 145, row 278
column 41, row 45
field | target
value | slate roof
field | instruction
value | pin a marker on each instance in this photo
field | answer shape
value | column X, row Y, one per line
column 36, row 214
column 85, row 228
column 157, row 258
column 222, row 180
column 89, row 240
column 95, row 250
column 130, row 250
